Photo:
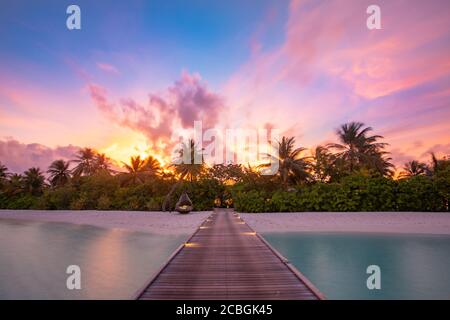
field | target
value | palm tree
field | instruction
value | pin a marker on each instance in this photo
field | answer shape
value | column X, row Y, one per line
column 15, row 184
column 414, row 168
column 102, row 163
column 292, row 167
column 135, row 170
column 59, row 173
column 34, row 180
column 3, row 171
column 438, row 164
column 185, row 166
column 3, row 174
column 152, row 166
column 324, row 164
column 85, row 160
column 381, row 163
column 139, row 169
column 358, row 149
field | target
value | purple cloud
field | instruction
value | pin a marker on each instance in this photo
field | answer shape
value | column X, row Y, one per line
column 186, row 101
column 18, row 157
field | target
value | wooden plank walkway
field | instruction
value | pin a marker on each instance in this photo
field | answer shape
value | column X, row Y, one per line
column 226, row 259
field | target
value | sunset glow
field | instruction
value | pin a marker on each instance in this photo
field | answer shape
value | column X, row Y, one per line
column 133, row 145
column 138, row 71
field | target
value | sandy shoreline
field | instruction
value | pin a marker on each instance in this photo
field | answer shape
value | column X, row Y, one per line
column 174, row 223
column 377, row 222
column 153, row 222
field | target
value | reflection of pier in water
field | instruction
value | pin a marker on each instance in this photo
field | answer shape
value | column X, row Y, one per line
column 226, row 259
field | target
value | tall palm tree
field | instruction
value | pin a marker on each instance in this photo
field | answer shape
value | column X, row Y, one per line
column 139, row 169
column 185, row 166
column 3, row 174
column 359, row 149
column 135, row 170
column 85, row 160
column 102, row 163
column 59, row 173
column 34, row 180
column 3, row 171
column 292, row 166
column 15, row 184
column 414, row 168
column 152, row 166
column 381, row 163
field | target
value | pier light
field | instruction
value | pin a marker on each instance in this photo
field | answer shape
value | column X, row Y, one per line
column 249, row 233
column 191, row 244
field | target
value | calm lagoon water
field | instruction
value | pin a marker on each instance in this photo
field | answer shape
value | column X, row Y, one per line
column 412, row 266
column 114, row 263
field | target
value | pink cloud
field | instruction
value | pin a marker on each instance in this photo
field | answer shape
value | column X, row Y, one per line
column 331, row 69
column 19, row 157
column 109, row 68
column 186, row 101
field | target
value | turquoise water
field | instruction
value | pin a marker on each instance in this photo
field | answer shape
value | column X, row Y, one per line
column 114, row 263
column 412, row 266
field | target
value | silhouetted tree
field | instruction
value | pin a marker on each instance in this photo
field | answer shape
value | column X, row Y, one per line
column 33, row 181
column 59, row 173
column 85, row 160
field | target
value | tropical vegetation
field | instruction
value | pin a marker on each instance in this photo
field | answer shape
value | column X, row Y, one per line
column 353, row 174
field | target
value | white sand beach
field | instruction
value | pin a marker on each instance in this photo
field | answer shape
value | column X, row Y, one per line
column 379, row 222
column 175, row 223
column 153, row 222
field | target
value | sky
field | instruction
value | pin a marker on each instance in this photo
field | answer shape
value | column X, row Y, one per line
column 137, row 71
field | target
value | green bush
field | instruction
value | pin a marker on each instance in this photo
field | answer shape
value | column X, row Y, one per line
column 203, row 193
column 251, row 201
column 82, row 202
column 353, row 193
column 59, row 198
column 320, row 197
column 24, row 201
column 442, row 185
column 419, row 193
column 283, row 201
column 155, row 204
column 104, row 203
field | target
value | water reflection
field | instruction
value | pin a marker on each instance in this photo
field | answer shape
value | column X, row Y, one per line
column 114, row 263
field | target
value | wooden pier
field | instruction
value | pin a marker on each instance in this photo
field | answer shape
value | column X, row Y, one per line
column 226, row 259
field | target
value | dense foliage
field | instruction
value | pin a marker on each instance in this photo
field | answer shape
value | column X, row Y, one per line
column 354, row 174
column 353, row 193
